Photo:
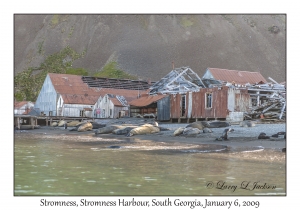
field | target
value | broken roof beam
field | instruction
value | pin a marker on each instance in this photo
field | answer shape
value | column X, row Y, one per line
column 282, row 110
column 272, row 80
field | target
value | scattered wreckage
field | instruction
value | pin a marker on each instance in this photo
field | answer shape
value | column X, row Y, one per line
column 270, row 103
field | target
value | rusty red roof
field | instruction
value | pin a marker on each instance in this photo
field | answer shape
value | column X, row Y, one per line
column 75, row 91
column 146, row 100
column 71, row 84
column 19, row 104
column 238, row 77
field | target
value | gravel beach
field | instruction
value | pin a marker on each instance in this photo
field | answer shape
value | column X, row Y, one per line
column 240, row 137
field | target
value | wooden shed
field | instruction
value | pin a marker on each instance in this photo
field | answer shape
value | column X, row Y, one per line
column 208, row 104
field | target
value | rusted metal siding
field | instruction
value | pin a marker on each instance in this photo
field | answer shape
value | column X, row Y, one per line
column 196, row 104
column 175, row 102
column 219, row 103
column 163, row 109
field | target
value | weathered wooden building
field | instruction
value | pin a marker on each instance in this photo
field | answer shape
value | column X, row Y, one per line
column 112, row 106
column 76, row 96
column 207, row 104
column 66, row 95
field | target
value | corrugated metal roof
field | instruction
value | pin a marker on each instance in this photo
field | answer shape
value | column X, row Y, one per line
column 71, row 84
column 75, row 91
column 146, row 100
column 239, row 77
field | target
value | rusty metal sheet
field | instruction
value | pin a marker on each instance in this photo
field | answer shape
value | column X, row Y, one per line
column 219, row 103
column 239, row 77
column 175, row 101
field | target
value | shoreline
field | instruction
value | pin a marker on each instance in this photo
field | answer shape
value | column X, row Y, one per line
column 243, row 137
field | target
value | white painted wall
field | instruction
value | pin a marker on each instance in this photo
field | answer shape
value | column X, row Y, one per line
column 105, row 106
column 231, row 99
column 73, row 110
column 47, row 98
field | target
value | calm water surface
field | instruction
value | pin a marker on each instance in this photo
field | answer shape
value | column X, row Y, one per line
column 86, row 165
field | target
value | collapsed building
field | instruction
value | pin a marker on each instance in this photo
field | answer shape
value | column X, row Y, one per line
column 182, row 96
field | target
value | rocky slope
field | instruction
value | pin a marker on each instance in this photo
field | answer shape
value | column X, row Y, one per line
column 146, row 45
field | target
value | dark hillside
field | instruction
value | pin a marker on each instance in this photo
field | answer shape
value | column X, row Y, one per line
column 146, row 45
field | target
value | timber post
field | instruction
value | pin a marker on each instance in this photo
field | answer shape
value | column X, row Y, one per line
column 18, row 123
column 31, row 122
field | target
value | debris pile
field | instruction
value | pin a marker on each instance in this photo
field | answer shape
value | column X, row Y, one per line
column 268, row 102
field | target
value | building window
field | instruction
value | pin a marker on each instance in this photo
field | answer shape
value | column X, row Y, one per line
column 81, row 113
column 208, row 100
column 105, row 99
column 183, row 105
column 103, row 113
column 50, row 113
column 110, row 112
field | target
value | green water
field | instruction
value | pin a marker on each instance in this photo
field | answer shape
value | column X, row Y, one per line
column 84, row 165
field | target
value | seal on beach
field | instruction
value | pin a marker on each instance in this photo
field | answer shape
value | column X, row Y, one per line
column 197, row 124
column 73, row 123
column 178, row 131
column 85, row 127
column 97, row 125
column 123, row 131
column 263, row 136
column 216, row 124
column 108, row 129
column 61, row 123
column 191, row 131
column 54, row 124
column 144, row 129
column 225, row 134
